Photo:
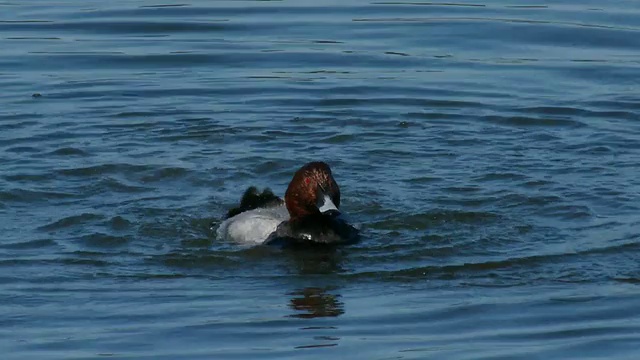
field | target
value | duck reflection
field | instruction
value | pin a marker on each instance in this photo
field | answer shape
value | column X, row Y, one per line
column 319, row 260
column 315, row 302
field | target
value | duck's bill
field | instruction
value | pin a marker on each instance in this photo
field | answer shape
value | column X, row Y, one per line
column 326, row 205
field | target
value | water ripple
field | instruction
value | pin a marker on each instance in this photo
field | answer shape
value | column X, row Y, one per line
column 488, row 150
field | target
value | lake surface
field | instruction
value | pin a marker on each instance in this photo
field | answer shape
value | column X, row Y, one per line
column 489, row 150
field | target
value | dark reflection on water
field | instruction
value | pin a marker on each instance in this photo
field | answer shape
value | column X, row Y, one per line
column 318, row 260
column 315, row 302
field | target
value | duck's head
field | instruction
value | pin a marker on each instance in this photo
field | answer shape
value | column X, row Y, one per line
column 312, row 191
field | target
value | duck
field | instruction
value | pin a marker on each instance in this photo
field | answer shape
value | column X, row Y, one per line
column 308, row 215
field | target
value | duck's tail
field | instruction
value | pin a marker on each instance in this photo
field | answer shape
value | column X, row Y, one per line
column 253, row 199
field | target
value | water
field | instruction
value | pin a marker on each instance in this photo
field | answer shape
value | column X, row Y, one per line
column 489, row 151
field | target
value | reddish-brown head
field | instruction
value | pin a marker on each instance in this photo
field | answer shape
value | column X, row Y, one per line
column 312, row 191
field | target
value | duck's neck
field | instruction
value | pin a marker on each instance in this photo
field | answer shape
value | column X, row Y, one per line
column 309, row 220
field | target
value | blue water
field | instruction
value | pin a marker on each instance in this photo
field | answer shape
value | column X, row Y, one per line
column 489, row 150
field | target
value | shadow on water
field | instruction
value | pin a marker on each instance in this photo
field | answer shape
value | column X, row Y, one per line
column 316, row 260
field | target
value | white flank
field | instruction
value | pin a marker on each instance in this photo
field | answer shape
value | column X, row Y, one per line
column 254, row 226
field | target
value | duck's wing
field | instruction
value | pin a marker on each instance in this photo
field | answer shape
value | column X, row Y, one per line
column 253, row 199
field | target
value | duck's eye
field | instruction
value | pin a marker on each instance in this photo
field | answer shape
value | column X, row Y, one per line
column 307, row 181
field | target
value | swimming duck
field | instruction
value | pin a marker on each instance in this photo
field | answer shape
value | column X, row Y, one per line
column 308, row 215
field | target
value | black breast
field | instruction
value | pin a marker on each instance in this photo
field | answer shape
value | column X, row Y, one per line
column 314, row 230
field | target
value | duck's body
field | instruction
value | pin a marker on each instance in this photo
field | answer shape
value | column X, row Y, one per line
column 253, row 226
column 326, row 229
column 308, row 215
